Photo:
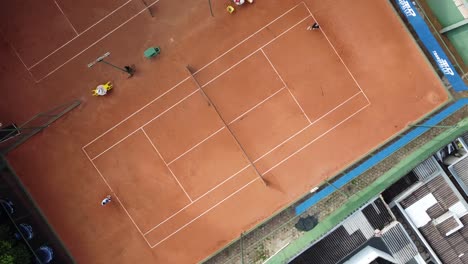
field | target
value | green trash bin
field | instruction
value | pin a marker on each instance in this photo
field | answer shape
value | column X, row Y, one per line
column 151, row 52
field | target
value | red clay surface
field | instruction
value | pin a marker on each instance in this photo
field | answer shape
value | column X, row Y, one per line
column 232, row 99
column 194, row 115
column 209, row 164
column 303, row 105
column 135, row 167
column 269, row 124
column 34, row 30
column 83, row 14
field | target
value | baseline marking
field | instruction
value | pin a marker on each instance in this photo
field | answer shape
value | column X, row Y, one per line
column 120, row 202
column 337, row 54
column 17, row 55
column 176, row 213
column 97, row 41
column 66, row 43
column 282, row 161
column 285, row 85
column 202, row 214
column 217, row 58
column 173, row 175
column 279, row 163
column 69, row 22
column 251, row 54
column 253, row 34
column 192, row 92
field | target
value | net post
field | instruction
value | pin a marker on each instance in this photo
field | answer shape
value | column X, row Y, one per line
column 147, row 8
column 211, row 8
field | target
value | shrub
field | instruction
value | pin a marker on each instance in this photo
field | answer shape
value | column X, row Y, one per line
column 12, row 251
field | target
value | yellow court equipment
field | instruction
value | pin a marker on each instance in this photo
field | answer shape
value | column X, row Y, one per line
column 102, row 89
column 107, row 86
column 230, row 9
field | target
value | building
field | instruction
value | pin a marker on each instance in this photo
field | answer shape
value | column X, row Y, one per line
column 370, row 235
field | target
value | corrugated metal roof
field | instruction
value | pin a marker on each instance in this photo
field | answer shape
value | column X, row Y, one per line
column 465, row 138
column 447, row 225
column 353, row 233
column 426, row 169
column 377, row 214
column 332, row 248
column 460, row 171
column 450, row 249
column 399, row 244
column 358, row 221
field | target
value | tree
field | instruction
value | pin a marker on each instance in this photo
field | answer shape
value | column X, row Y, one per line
column 12, row 251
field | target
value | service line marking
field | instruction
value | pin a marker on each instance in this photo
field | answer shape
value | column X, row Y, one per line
column 173, row 175
column 337, row 54
column 66, row 43
column 284, row 83
column 315, row 139
column 115, row 195
column 198, row 198
column 68, row 20
column 207, row 211
column 235, row 174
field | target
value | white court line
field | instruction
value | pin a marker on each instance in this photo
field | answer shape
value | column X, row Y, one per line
column 253, row 34
column 66, row 43
column 194, row 74
column 202, row 214
column 137, row 111
column 196, row 145
column 74, row 29
column 337, row 54
column 315, row 139
column 173, row 175
column 115, row 195
column 195, row 90
column 145, row 9
column 115, row 144
column 19, row 57
column 165, row 111
column 281, row 78
column 315, row 121
column 198, row 198
column 248, row 165
column 97, row 41
column 251, row 54
column 255, row 106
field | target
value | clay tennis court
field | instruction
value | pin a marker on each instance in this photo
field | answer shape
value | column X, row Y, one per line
column 193, row 158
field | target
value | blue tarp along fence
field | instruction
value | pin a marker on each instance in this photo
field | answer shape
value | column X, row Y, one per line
column 431, row 44
column 444, row 64
column 381, row 155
